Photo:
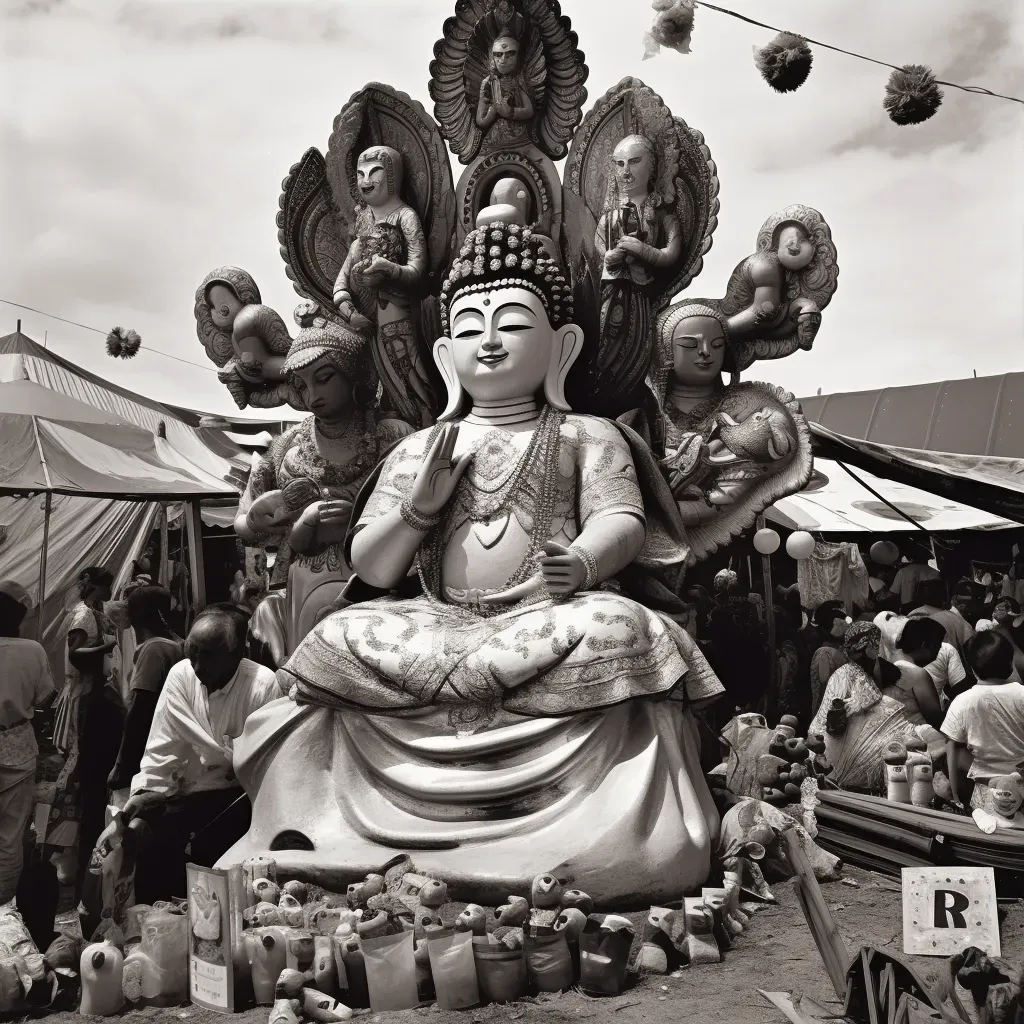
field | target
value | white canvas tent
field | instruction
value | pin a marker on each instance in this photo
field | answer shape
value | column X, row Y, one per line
column 73, row 448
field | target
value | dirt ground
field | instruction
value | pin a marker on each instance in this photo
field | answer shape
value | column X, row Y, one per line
column 776, row 953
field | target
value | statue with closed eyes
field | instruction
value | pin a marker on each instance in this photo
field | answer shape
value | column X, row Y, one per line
column 514, row 515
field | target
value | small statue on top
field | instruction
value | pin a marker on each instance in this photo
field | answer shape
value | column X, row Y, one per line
column 504, row 95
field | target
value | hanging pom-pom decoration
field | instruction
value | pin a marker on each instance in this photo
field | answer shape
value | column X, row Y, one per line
column 672, row 27
column 785, row 62
column 122, row 344
column 912, row 95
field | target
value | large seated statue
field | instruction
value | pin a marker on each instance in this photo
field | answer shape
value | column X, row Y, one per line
column 519, row 714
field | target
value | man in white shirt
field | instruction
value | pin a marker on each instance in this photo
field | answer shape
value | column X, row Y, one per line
column 987, row 720
column 909, row 576
column 186, row 790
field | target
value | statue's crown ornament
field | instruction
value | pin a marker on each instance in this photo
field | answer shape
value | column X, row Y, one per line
column 503, row 255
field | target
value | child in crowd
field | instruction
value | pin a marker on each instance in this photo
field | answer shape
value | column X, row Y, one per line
column 987, row 720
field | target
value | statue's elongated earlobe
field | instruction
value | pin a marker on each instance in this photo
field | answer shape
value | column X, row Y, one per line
column 444, row 357
column 568, row 345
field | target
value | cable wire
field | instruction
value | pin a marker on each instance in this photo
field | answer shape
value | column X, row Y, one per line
column 96, row 330
column 977, row 90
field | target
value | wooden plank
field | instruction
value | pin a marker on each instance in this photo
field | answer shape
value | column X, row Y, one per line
column 819, row 919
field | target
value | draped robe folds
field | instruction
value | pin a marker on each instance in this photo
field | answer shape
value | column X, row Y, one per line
column 598, row 783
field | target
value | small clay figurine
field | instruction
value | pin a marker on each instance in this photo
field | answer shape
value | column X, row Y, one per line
column 700, row 946
column 298, row 890
column 323, row 1008
column 571, row 920
column 472, row 919
column 579, row 899
column 290, row 983
column 514, row 913
column 300, row 950
column 426, row 919
column 325, row 971
column 266, row 891
column 919, row 773
column 285, row 1011
column 1007, row 795
column 291, row 911
column 546, row 892
column 263, row 915
column 360, row 892
column 433, row 893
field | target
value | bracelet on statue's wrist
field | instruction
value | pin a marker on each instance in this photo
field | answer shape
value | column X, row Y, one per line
column 589, row 561
column 414, row 518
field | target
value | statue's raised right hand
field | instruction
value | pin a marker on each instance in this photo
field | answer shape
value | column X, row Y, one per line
column 440, row 473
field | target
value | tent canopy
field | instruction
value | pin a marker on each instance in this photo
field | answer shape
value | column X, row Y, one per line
column 51, row 442
column 836, row 501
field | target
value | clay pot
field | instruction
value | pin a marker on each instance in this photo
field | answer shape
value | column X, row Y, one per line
column 500, row 972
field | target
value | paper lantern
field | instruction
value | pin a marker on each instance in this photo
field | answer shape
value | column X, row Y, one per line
column 884, row 552
column 766, row 542
column 800, row 545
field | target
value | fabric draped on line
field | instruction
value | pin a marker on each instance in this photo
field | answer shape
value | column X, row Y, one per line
column 834, row 572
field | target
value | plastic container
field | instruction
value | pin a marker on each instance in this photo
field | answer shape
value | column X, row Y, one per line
column 265, row 949
column 500, row 971
column 355, row 971
column 453, row 967
column 325, row 973
column 100, row 967
column 390, row 972
column 165, row 944
column 604, row 956
column 548, row 962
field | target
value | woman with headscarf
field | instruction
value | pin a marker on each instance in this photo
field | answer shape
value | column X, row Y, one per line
column 87, row 731
column 857, row 720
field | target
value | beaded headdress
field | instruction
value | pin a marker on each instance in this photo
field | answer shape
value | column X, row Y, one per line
column 343, row 346
column 667, row 323
column 507, row 256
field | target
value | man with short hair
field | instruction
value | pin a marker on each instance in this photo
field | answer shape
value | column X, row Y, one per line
column 933, row 604
column 185, row 788
column 910, row 575
column 987, row 720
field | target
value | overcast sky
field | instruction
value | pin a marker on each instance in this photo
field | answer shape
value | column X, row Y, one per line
column 144, row 143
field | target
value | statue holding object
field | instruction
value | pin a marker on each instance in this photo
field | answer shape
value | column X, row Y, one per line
column 246, row 339
column 514, row 513
column 774, row 298
column 384, row 268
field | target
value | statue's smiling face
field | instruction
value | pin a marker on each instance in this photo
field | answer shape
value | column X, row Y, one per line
column 698, row 350
column 505, row 55
column 1005, row 798
column 632, row 164
column 501, row 343
column 372, row 181
column 795, row 249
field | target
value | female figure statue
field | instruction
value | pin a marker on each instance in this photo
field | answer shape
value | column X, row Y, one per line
column 376, row 285
column 637, row 236
column 513, row 693
column 300, row 495
column 504, row 96
column 732, row 449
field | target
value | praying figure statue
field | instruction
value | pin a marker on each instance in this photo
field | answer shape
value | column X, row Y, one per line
column 732, row 449
column 638, row 236
column 500, row 708
column 504, row 109
column 378, row 282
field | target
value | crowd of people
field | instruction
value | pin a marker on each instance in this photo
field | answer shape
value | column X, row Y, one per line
column 149, row 735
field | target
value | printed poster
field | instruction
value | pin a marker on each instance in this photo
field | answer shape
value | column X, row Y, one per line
column 210, row 954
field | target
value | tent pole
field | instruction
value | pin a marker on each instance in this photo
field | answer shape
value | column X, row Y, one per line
column 197, row 571
column 47, row 509
column 771, row 697
column 165, row 554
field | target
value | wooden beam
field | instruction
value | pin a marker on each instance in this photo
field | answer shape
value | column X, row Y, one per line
column 196, row 567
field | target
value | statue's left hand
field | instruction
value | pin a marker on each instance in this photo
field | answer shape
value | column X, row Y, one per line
column 379, row 271
column 807, row 328
column 562, row 572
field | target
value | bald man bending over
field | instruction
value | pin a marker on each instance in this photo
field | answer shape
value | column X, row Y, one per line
column 186, row 789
